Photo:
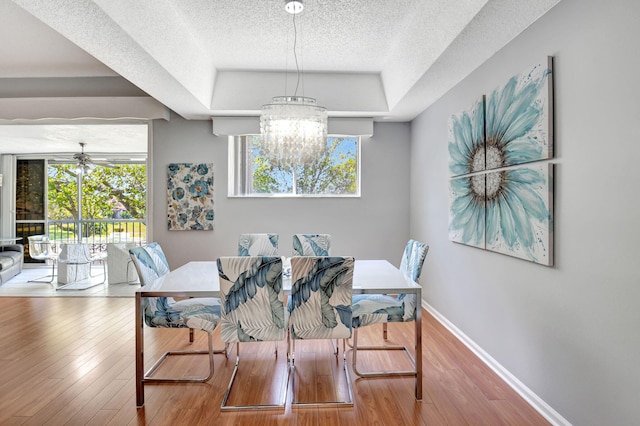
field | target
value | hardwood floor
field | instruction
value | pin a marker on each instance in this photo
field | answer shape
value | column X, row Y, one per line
column 68, row 360
column 19, row 286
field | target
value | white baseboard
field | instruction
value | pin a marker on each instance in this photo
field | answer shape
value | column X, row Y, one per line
column 536, row 402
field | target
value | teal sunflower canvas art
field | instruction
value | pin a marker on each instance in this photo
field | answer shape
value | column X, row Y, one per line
column 519, row 212
column 510, row 126
column 190, row 196
column 499, row 199
column 467, row 210
column 466, row 140
column 518, row 119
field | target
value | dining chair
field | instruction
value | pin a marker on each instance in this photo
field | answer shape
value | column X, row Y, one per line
column 165, row 312
column 320, row 308
column 258, row 245
column 252, row 299
column 382, row 309
column 40, row 248
column 311, row 244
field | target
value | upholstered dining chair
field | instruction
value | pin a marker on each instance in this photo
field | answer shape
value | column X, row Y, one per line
column 320, row 308
column 382, row 309
column 252, row 309
column 40, row 248
column 258, row 245
column 196, row 313
column 311, row 244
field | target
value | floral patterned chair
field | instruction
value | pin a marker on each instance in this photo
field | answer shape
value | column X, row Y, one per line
column 320, row 307
column 382, row 309
column 252, row 309
column 258, row 245
column 311, row 244
column 196, row 313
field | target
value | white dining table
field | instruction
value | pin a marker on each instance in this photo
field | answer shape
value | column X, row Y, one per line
column 200, row 279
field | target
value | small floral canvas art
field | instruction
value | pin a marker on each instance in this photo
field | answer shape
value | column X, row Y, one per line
column 190, row 196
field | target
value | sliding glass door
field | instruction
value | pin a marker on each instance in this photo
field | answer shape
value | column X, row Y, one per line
column 96, row 205
column 31, row 201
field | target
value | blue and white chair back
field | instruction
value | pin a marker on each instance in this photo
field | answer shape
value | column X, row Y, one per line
column 411, row 265
column 320, row 301
column 311, row 244
column 258, row 245
column 413, row 259
column 150, row 261
column 252, row 299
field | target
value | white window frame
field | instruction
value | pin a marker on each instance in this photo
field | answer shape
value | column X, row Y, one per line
column 240, row 175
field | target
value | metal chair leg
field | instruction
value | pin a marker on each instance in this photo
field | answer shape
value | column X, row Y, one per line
column 298, row 404
column 104, row 270
column 365, row 374
column 225, row 407
column 52, row 275
column 211, row 351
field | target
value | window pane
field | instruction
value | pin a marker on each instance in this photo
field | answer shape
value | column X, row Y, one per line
column 335, row 173
column 63, row 191
column 267, row 178
column 116, row 192
column 30, row 186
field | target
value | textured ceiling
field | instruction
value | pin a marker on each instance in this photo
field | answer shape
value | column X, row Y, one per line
column 387, row 59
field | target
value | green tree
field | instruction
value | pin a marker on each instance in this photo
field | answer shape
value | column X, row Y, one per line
column 334, row 172
column 125, row 183
column 265, row 179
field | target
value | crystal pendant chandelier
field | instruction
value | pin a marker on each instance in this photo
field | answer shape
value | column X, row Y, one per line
column 293, row 128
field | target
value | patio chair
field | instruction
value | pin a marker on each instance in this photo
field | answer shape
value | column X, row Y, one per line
column 252, row 310
column 195, row 313
column 382, row 309
column 119, row 264
column 74, row 264
column 40, row 248
column 320, row 308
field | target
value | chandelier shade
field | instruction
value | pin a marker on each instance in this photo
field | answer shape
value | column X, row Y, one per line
column 293, row 130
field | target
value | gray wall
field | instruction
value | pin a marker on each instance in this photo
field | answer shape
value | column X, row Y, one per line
column 376, row 225
column 568, row 332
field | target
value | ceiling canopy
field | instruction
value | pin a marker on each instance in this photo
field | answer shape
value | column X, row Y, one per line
column 204, row 58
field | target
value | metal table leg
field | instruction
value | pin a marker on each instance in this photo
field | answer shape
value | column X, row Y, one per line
column 418, row 326
column 139, row 352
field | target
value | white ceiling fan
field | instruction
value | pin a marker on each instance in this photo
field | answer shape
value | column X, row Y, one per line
column 85, row 163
